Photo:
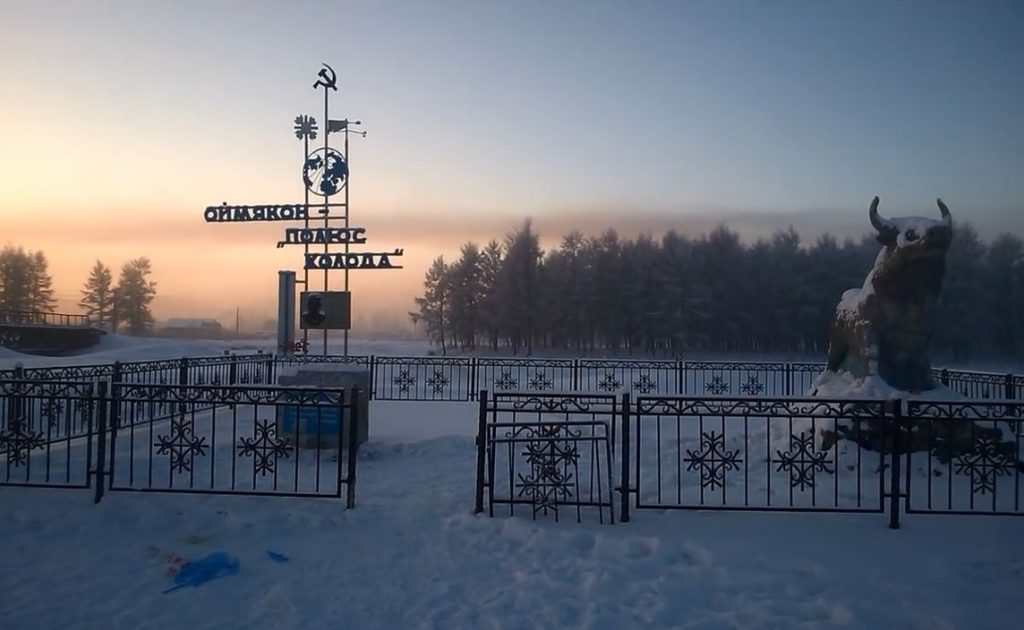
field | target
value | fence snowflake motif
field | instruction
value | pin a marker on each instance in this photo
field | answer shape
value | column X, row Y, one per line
column 645, row 384
column 553, row 461
column 181, row 444
column 716, row 386
column 438, row 381
column 540, row 380
column 83, row 409
column 265, row 449
column 609, row 383
column 753, row 386
column 51, row 410
column 404, row 380
column 506, row 381
column 713, row 460
column 983, row 463
column 17, row 443
column 802, row 461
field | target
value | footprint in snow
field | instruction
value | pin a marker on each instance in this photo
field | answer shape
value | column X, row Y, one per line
column 641, row 548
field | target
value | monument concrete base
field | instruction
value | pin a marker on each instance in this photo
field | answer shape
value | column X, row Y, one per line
column 319, row 426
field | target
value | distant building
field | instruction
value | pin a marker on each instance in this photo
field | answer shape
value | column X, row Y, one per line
column 189, row 328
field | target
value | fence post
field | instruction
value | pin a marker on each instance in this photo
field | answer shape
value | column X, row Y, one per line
column 115, row 373
column 373, row 373
column 473, row 377
column 233, row 370
column 481, row 452
column 1009, row 387
column 16, row 404
column 575, row 375
column 183, row 371
column 944, row 377
column 895, row 424
column 789, row 379
column 624, row 454
column 269, row 376
column 680, row 377
column 353, row 447
column 101, row 444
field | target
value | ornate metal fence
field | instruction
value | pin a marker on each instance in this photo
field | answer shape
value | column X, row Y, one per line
column 723, row 378
column 964, row 457
column 363, row 360
column 641, row 377
column 229, row 439
column 801, row 377
column 755, row 454
column 509, row 374
column 459, row 378
column 548, row 454
column 423, row 378
column 46, row 430
column 253, row 440
column 981, row 385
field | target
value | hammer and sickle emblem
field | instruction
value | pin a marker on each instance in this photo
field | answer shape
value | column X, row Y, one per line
column 327, row 78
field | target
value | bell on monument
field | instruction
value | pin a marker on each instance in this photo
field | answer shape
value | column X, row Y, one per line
column 325, row 310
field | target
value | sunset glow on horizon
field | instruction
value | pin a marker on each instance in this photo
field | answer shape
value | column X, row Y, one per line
column 120, row 122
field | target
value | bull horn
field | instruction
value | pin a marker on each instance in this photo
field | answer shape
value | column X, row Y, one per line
column 946, row 216
column 880, row 224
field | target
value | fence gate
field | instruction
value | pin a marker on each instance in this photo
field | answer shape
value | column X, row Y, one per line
column 968, row 457
column 549, row 455
column 270, row 441
column 46, row 432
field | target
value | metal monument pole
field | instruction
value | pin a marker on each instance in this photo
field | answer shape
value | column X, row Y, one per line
column 348, row 183
column 328, row 86
column 305, row 247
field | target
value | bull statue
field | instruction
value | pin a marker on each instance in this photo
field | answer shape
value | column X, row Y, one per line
column 884, row 328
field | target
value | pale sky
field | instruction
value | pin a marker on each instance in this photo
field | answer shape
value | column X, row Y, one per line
column 121, row 121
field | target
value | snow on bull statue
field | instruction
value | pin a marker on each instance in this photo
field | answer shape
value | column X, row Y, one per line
column 884, row 328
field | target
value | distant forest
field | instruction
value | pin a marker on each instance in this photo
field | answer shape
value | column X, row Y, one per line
column 678, row 294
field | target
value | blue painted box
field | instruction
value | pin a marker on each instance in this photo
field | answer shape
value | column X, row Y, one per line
column 308, row 418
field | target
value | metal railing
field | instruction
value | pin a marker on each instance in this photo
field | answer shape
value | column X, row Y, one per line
column 38, row 318
column 198, row 439
column 461, row 378
column 749, row 454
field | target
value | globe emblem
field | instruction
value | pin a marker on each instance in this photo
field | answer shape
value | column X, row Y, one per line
column 325, row 172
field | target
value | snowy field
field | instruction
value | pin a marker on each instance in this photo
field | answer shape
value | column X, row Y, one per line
column 412, row 554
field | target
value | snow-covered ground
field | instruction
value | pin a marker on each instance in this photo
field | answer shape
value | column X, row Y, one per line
column 412, row 554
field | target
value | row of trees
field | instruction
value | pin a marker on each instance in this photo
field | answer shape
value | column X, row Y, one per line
column 25, row 282
column 126, row 303
column 26, row 285
column 712, row 293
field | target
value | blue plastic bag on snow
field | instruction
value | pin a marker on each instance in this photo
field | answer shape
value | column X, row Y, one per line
column 201, row 571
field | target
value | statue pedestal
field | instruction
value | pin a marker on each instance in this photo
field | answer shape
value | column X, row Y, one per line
column 318, row 426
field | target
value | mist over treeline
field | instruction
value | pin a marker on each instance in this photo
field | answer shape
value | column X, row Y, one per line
column 710, row 293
